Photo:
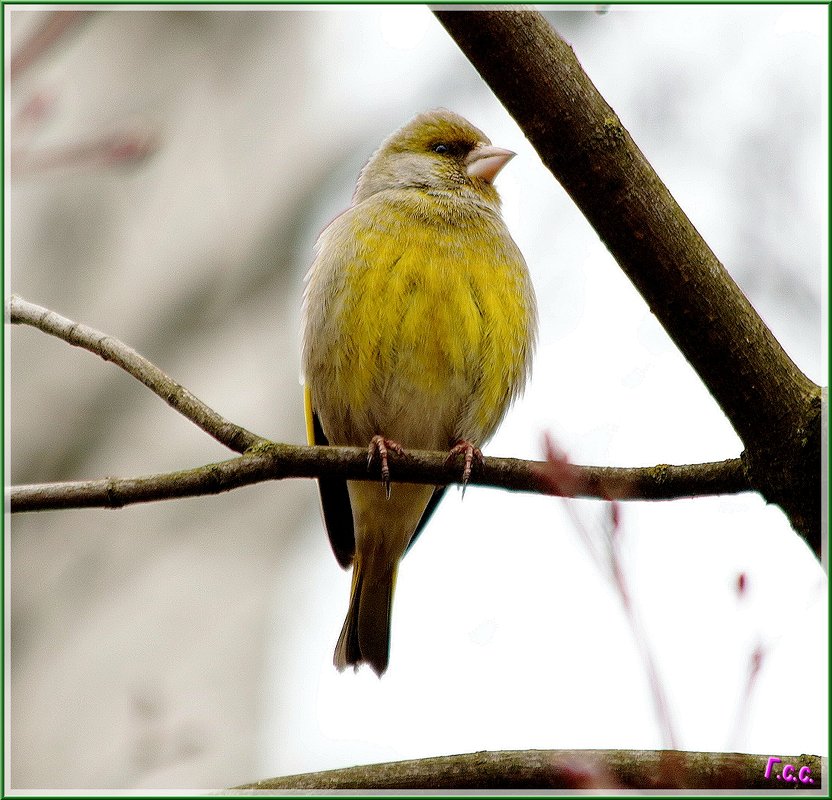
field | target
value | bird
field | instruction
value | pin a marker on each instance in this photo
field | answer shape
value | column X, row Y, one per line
column 419, row 326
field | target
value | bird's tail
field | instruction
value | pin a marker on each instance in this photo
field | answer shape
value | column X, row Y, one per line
column 365, row 636
column 383, row 527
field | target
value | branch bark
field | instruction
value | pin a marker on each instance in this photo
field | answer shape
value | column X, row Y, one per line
column 264, row 460
column 565, row 769
column 773, row 406
column 274, row 461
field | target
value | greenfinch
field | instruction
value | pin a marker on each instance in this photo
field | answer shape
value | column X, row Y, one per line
column 419, row 325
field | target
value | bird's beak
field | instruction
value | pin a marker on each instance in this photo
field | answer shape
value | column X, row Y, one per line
column 485, row 161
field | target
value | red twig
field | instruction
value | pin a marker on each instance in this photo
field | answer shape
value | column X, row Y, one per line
column 566, row 479
column 112, row 149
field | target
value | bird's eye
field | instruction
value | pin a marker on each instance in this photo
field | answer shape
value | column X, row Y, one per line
column 440, row 148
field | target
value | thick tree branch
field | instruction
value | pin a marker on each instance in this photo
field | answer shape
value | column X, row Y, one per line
column 773, row 406
column 22, row 312
column 278, row 461
column 567, row 769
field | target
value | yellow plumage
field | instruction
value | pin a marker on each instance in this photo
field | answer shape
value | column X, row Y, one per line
column 419, row 327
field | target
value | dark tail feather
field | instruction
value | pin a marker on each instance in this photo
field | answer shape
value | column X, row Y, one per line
column 347, row 651
column 365, row 636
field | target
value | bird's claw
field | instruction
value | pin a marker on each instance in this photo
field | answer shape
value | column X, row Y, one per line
column 472, row 454
column 379, row 447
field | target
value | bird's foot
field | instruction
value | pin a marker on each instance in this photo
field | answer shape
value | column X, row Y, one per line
column 472, row 454
column 379, row 447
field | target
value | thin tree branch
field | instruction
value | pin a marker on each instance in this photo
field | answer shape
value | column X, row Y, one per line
column 274, row 461
column 265, row 460
column 22, row 312
column 773, row 406
column 569, row 769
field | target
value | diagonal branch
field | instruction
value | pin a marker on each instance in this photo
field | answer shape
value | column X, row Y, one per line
column 22, row 312
column 773, row 406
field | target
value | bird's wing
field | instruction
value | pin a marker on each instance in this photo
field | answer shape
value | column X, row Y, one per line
column 335, row 499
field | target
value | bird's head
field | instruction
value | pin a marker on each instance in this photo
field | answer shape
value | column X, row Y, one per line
column 438, row 152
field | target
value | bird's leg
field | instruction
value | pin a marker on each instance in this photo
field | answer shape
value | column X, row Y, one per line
column 472, row 453
column 379, row 447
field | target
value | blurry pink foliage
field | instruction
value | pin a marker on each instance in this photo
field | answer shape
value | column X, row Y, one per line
column 127, row 144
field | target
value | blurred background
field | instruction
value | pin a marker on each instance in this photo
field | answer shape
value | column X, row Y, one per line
column 167, row 173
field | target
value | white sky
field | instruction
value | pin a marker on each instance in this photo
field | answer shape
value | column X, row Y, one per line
column 505, row 635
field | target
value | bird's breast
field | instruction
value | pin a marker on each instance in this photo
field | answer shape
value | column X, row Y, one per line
column 430, row 333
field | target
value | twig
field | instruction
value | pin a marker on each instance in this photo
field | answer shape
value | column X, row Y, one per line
column 607, row 556
column 111, row 349
column 755, row 664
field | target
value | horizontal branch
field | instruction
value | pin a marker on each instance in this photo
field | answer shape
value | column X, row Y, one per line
column 22, row 312
column 263, row 460
column 274, row 461
column 568, row 769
